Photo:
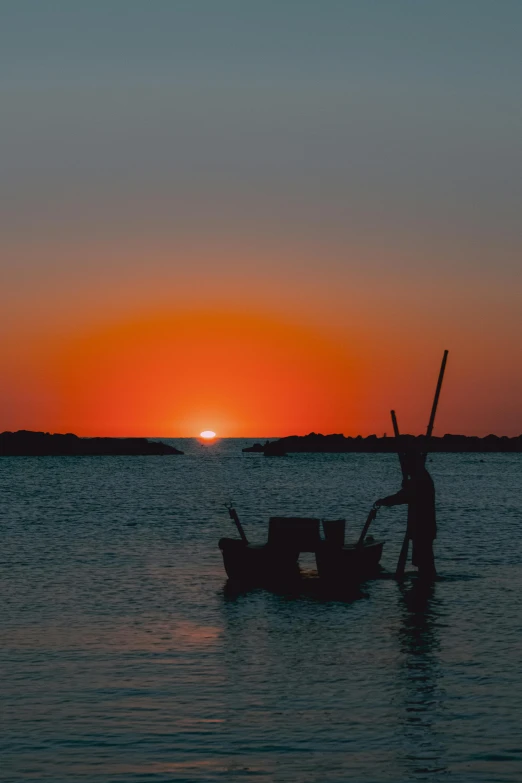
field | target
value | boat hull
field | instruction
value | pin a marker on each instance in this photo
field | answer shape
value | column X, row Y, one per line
column 258, row 564
column 264, row 565
column 351, row 563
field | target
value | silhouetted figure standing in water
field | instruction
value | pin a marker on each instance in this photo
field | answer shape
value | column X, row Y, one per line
column 418, row 491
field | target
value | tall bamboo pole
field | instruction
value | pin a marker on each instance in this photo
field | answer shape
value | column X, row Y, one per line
column 399, row 573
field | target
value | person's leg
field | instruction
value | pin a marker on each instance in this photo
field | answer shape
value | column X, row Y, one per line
column 424, row 559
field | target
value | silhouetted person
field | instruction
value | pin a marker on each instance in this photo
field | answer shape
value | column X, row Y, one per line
column 418, row 491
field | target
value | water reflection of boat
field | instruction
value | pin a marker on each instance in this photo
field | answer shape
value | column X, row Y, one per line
column 278, row 559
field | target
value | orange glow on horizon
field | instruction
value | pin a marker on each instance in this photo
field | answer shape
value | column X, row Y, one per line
column 261, row 375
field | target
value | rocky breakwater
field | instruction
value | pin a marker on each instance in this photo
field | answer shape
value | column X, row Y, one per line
column 339, row 444
column 43, row 444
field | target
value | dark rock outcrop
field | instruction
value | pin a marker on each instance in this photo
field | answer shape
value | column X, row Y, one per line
column 42, row 444
column 275, row 449
column 256, row 448
column 339, row 444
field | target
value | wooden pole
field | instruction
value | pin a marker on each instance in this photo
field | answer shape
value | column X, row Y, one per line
column 401, row 564
column 397, row 436
column 399, row 573
column 234, row 517
column 369, row 520
column 437, row 395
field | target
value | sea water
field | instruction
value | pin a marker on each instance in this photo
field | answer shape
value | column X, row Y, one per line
column 125, row 657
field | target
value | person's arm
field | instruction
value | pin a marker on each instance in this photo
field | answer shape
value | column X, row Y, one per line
column 400, row 497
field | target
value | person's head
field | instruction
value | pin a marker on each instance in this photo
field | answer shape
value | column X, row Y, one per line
column 414, row 463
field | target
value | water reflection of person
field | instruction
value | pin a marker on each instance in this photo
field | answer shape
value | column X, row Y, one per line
column 419, row 644
column 419, row 608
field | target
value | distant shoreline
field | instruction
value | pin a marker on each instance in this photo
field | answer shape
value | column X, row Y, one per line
column 339, row 444
column 42, row 444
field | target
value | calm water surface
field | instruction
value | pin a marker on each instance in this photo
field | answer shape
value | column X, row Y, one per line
column 125, row 658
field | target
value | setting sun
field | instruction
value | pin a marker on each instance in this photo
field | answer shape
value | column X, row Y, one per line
column 207, row 434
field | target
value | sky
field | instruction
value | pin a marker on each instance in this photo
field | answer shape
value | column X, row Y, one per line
column 261, row 218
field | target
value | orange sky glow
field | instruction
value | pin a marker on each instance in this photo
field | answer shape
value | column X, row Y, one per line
column 246, row 375
column 175, row 375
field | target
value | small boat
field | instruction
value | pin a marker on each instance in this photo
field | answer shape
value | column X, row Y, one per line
column 351, row 563
column 277, row 561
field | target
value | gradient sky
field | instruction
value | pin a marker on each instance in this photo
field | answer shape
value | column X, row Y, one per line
column 263, row 218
